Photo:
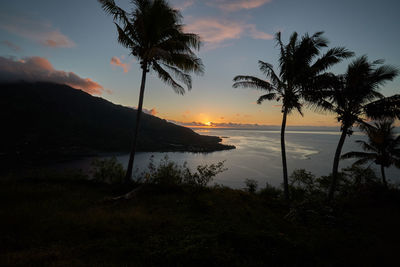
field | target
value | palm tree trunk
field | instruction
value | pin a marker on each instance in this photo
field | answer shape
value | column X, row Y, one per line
column 332, row 187
column 384, row 176
column 128, row 175
column 283, row 150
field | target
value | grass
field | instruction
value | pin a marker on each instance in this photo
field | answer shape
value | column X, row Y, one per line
column 62, row 220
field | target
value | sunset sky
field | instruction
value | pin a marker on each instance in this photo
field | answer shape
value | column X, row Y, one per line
column 75, row 42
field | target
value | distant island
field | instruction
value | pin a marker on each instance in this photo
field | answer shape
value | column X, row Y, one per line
column 42, row 121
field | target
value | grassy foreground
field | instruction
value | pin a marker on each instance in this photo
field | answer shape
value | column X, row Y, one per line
column 62, row 220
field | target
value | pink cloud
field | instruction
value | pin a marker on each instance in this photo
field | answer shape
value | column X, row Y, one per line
column 35, row 30
column 33, row 69
column 11, row 45
column 215, row 32
column 235, row 5
column 256, row 34
column 152, row 111
column 116, row 61
column 183, row 4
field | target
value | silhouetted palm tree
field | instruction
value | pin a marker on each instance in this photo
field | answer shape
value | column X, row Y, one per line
column 382, row 147
column 154, row 35
column 354, row 96
column 299, row 69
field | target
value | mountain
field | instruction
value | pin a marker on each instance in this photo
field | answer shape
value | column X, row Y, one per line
column 47, row 120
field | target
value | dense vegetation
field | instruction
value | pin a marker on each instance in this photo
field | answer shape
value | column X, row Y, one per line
column 67, row 220
column 45, row 120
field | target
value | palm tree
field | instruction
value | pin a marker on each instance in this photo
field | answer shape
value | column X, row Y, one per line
column 300, row 66
column 154, row 35
column 382, row 147
column 354, row 96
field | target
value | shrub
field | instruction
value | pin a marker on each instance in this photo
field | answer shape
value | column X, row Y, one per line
column 251, row 185
column 165, row 173
column 108, row 171
column 360, row 176
column 303, row 184
column 170, row 173
column 270, row 191
column 302, row 179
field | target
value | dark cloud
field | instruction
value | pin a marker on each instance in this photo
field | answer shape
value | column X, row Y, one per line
column 34, row 69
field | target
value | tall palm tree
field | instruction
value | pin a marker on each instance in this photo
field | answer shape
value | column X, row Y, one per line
column 154, row 35
column 300, row 65
column 382, row 147
column 354, row 97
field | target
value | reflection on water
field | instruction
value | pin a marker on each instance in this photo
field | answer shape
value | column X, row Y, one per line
column 258, row 155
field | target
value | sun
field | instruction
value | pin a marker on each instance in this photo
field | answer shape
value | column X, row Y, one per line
column 209, row 123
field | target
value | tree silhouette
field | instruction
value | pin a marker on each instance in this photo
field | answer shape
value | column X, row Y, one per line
column 301, row 70
column 154, row 35
column 354, row 96
column 382, row 147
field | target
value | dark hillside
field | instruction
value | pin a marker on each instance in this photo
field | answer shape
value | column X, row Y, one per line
column 42, row 120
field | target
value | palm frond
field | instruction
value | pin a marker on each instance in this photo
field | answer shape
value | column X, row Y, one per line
column 153, row 33
column 349, row 155
column 388, row 107
column 166, row 77
column 383, row 74
column 268, row 69
column 280, row 44
column 111, row 8
column 362, row 161
column 333, row 56
column 184, row 61
column 184, row 77
column 251, row 82
column 270, row 96
column 366, row 146
column 318, row 40
column 123, row 38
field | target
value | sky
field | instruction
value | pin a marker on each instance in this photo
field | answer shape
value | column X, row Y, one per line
column 75, row 42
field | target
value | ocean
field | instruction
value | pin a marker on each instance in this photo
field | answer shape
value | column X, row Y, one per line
column 258, row 155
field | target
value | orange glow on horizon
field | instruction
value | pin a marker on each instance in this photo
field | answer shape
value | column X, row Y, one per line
column 226, row 119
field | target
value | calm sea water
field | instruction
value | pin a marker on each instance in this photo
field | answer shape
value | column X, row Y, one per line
column 257, row 155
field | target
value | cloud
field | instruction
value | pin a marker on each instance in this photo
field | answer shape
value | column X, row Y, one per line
column 256, row 34
column 152, row 111
column 33, row 69
column 215, row 32
column 116, row 61
column 11, row 45
column 217, row 125
column 225, row 5
column 183, row 4
column 35, row 30
column 235, row 5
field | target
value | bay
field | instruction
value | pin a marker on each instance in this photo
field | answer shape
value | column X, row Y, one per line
column 257, row 155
